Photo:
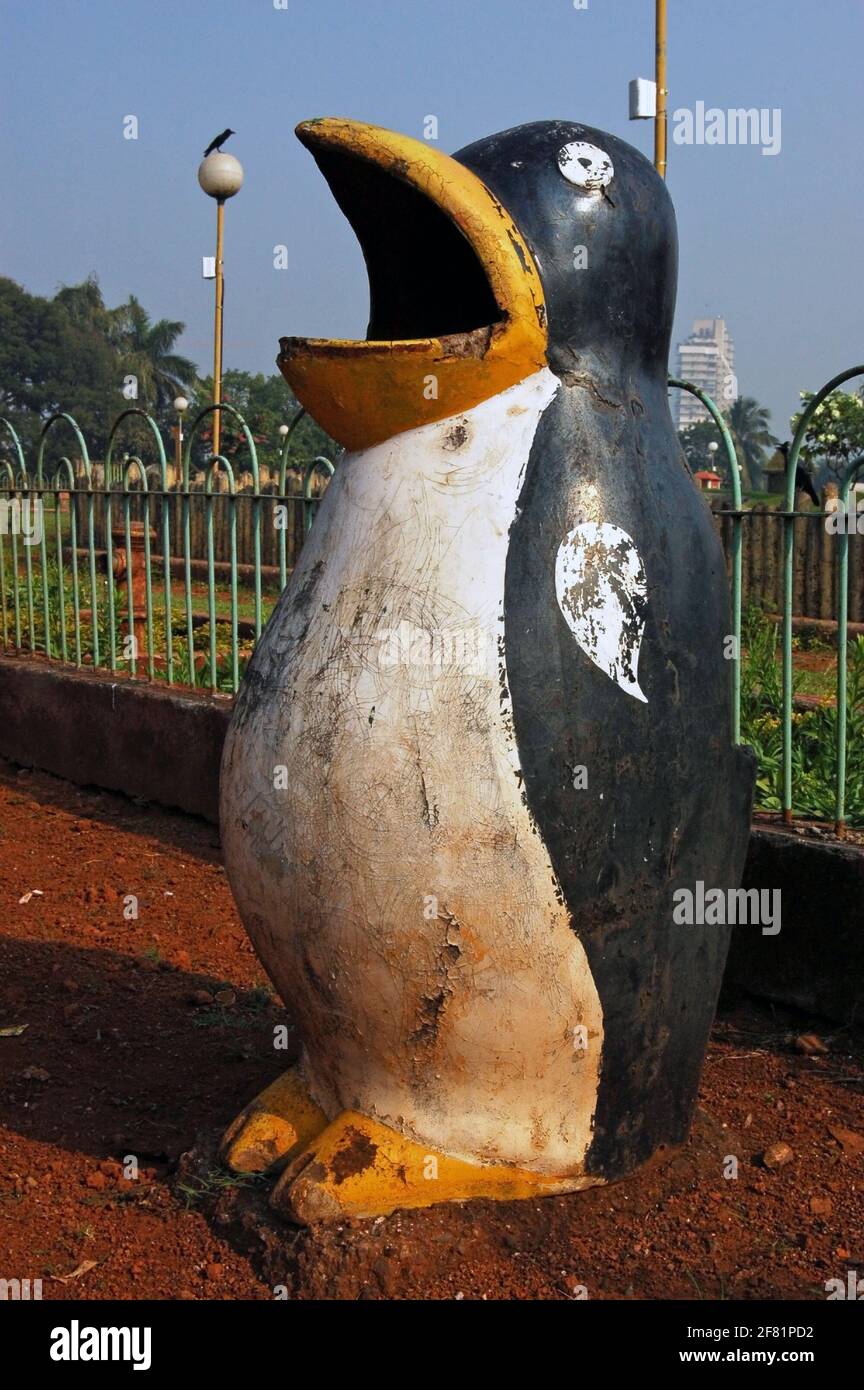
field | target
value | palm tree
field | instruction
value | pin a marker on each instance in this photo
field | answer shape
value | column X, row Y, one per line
column 748, row 425
column 145, row 348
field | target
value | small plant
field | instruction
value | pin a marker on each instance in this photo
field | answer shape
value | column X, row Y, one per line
column 202, row 1185
column 814, row 731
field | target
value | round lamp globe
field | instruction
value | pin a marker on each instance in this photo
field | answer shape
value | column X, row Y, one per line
column 220, row 175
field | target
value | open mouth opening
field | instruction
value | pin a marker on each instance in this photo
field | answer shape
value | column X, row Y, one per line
column 456, row 304
column 425, row 278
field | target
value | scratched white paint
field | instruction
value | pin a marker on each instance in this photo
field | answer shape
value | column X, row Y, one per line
column 457, row 1031
column 585, row 165
column 601, row 588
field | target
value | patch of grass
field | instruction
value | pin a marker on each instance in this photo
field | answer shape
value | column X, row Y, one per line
column 820, row 683
column 811, row 640
column 210, row 1184
column 52, row 617
column 814, row 731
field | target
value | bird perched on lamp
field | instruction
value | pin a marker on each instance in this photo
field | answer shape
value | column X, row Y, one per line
column 219, row 142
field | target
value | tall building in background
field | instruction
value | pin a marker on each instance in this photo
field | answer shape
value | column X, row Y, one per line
column 707, row 359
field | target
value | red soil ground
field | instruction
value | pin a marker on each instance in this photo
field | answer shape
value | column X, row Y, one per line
column 145, row 1036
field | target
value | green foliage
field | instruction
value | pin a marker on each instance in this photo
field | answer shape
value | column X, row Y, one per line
column 835, row 434
column 814, row 741
column 73, row 353
column 200, row 1186
column 695, row 440
column 146, row 352
column 265, row 402
column 57, row 355
column 748, row 425
column 61, row 611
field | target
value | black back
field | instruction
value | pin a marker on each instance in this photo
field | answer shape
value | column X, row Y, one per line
column 668, row 796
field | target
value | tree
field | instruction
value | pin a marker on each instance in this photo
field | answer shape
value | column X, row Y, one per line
column 72, row 353
column 145, row 351
column 748, row 425
column 835, row 434
column 265, row 402
column 695, row 440
column 84, row 306
column 55, row 355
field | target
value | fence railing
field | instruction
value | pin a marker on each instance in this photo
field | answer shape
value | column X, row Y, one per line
column 788, row 521
column 161, row 534
column 816, row 573
column 736, row 516
column 168, row 572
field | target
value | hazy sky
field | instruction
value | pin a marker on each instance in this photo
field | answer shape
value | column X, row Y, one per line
column 771, row 243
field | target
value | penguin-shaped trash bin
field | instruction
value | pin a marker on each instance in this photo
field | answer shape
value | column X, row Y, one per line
column 485, row 736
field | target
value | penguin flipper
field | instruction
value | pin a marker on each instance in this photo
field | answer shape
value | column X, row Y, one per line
column 361, row 1168
column 273, row 1126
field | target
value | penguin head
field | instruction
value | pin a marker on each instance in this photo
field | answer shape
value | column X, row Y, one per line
column 601, row 228
column 551, row 244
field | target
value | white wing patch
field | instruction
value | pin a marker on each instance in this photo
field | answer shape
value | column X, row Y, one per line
column 602, row 593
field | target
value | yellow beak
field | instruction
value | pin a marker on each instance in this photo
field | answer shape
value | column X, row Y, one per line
column 457, row 311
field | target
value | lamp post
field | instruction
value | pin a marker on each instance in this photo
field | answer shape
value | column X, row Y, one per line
column 181, row 405
column 647, row 98
column 660, row 78
column 220, row 176
column 283, row 432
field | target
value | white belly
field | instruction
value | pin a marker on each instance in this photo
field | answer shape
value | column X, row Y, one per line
column 397, row 888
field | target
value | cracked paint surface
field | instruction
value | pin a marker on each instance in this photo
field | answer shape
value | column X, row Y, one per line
column 585, row 165
column 602, row 593
column 409, row 913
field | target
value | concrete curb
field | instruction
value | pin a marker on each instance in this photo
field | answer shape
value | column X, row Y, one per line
column 816, row 961
column 148, row 741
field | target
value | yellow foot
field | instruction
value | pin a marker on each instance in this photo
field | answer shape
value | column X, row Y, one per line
column 276, row 1123
column 359, row 1167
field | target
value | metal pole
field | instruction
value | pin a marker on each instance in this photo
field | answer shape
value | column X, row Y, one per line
column 788, row 574
column 217, row 343
column 843, row 641
column 735, row 479
column 660, row 80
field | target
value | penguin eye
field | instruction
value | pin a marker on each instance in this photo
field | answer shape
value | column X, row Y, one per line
column 585, row 165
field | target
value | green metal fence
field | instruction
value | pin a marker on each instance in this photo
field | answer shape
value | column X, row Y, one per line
column 63, row 595
column 129, row 603
column 788, row 516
